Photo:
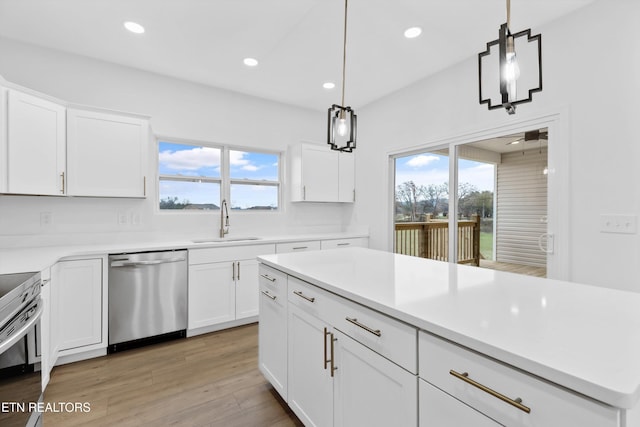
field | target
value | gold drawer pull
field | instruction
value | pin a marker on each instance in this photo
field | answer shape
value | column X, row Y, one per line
column 266, row 293
column 517, row 402
column 266, row 276
column 301, row 295
column 375, row 332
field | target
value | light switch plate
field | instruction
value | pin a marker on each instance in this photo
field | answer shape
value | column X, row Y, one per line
column 624, row 224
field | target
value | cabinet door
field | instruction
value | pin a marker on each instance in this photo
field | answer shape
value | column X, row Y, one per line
column 272, row 331
column 319, row 174
column 212, row 296
column 106, row 154
column 79, row 302
column 35, row 145
column 247, row 299
column 370, row 390
column 347, row 176
column 310, row 393
column 437, row 408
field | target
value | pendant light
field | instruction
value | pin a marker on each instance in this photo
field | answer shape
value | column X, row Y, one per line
column 508, row 67
column 342, row 121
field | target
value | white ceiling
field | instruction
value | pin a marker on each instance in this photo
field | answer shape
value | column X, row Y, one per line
column 298, row 42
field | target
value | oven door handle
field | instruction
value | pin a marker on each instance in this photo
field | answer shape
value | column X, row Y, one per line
column 24, row 330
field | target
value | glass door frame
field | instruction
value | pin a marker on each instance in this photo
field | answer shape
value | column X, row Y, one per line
column 558, row 211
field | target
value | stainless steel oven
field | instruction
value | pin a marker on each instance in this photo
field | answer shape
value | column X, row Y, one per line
column 20, row 382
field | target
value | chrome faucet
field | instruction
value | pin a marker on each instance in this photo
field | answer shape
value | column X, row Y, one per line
column 224, row 218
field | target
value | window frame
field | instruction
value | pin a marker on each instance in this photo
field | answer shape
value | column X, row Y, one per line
column 224, row 179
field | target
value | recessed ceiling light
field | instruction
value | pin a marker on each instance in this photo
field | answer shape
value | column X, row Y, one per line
column 134, row 27
column 328, row 85
column 250, row 62
column 517, row 141
column 413, row 32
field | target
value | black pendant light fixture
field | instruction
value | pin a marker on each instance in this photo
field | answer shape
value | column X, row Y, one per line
column 510, row 68
column 342, row 121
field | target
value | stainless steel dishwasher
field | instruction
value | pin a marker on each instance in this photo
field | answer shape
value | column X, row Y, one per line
column 147, row 298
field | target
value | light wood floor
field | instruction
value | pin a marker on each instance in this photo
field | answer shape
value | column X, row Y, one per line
column 514, row 268
column 208, row 380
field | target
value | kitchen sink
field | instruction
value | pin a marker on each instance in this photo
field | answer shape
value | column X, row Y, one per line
column 226, row 239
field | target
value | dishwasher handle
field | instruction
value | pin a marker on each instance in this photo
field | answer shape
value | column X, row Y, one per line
column 126, row 263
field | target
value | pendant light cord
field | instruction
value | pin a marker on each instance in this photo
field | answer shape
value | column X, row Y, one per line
column 344, row 53
column 509, row 15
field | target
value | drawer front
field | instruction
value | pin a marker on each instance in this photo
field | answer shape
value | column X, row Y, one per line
column 310, row 298
column 391, row 338
column 229, row 253
column 273, row 282
column 549, row 405
column 361, row 242
column 311, row 245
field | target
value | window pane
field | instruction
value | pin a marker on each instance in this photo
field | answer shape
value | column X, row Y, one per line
column 245, row 196
column 189, row 195
column 255, row 166
column 188, row 160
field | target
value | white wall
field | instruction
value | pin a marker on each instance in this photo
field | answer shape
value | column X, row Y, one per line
column 591, row 69
column 177, row 109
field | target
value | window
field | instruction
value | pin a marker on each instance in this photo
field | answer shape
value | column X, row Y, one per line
column 198, row 177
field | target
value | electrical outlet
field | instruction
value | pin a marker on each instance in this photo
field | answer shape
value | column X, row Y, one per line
column 122, row 218
column 624, row 224
column 135, row 218
column 46, row 219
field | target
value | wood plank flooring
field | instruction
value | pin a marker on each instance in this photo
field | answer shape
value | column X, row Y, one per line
column 208, row 380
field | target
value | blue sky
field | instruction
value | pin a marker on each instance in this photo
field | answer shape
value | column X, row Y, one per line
column 197, row 161
column 431, row 168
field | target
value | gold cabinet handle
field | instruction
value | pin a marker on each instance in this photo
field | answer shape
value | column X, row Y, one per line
column 267, row 294
column 301, row 295
column 62, row 176
column 513, row 402
column 233, row 274
column 238, row 270
column 144, row 186
column 375, row 332
column 269, row 278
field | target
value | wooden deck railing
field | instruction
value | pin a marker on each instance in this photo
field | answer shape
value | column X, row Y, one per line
column 430, row 239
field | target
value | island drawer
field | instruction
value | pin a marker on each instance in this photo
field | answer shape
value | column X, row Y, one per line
column 273, row 281
column 389, row 337
column 504, row 393
column 312, row 299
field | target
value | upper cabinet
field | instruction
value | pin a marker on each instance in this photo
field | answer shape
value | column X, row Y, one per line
column 35, row 145
column 319, row 174
column 50, row 149
column 105, row 154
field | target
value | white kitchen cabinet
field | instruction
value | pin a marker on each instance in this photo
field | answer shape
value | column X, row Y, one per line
column 361, row 242
column 36, row 145
column 76, row 304
column 46, row 362
column 106, row 154
column 338, row 379
column 272, row 346
column 319, row 174
column 223, row 285
column 369, row 389
column 476, row 381
column 310, row 389
column 440, row 409
column 307, row 245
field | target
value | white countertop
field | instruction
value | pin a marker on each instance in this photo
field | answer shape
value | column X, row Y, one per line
column 585, row 338
column 28, row 259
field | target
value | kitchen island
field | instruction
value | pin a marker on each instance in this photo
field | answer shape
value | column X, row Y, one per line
column 483, row 345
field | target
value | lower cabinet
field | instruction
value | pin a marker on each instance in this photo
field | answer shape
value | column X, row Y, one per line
column 76, row 320
column 223, row 285
column 272, row 345
column 335, row 380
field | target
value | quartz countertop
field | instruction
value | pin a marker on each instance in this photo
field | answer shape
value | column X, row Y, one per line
column 37, row 258
column 585, row 338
